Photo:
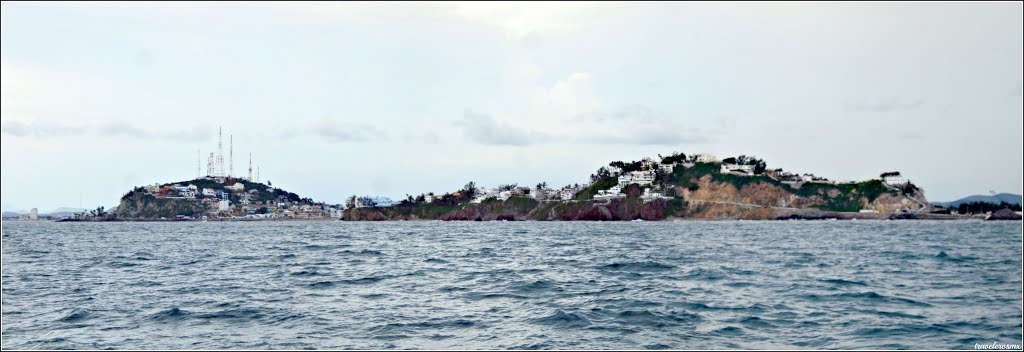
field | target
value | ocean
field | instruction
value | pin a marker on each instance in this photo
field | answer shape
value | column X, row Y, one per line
column 511, row 285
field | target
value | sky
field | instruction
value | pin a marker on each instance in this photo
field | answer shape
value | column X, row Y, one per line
column 336, row 99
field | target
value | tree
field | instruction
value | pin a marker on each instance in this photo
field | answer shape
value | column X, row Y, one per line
column 469, row 189
column 350, row 202
column 729, row 160
column 269, row 184
column 759, row 167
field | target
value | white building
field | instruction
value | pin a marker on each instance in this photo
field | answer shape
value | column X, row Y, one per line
column 647, row 164
column 649, row 196
column 735, row 168
column 625, row 180
column 538, row 194
column 224, row 205
column 504, row 195
column 428, row 198
column 705, row 158
column 614, row 171
column 567, row 193
column 638, row 177
column 893, row 179
column 33, row 214
column 667, row 168
column 238, row 186
column 643, row 177
column 209, row 192
column 614, row 192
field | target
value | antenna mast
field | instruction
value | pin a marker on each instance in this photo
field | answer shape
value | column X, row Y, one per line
column 231, row 155
column 219, row 172
column 250, row 167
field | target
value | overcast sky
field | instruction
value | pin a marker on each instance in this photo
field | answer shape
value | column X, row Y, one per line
column 388, row 99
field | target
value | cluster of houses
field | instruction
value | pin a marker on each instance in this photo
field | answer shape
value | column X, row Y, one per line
column 645, row 176
column 541, row 193
column 232, row 200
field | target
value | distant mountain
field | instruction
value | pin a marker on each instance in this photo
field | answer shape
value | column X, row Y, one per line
column 67, row 210
column 994, row 199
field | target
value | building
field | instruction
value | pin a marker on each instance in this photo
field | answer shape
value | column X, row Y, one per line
column 647, row 164
column 540, row 193
column 893, row 178
column 649, row 196
column 238, row 186
column 614, row 171
column 429, row 198
column 224, row 205
column 373, row 202
column 737, row 169
column 567, row 193
column 611, row 193
column 705, row 158
column 639, row 177
column 667, row 168
column 33, row 214
column 209, row 192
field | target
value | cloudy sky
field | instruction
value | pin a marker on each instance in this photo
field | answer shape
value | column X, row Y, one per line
column 389, row 99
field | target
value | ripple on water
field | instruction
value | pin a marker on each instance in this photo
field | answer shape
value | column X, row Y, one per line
column 540, row 285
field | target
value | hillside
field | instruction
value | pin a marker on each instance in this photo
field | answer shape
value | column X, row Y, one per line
column 693, row 190
column 214, row 198
column 993, row 199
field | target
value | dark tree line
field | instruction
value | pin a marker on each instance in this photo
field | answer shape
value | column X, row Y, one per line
column 984, row 207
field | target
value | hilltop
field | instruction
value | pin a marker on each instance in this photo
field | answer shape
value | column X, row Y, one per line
column 677, row 186
column 216, row 198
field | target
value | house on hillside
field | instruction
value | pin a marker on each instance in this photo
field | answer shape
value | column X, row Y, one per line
column 893, row 178
column 736, row 169
column 705, row 158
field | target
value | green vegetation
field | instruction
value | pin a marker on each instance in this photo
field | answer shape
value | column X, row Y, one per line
column 848, row 198
column 602, row 184
column 675, row 207
column 688, row 177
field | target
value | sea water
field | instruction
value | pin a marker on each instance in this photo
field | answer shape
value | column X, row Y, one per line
column 511, row 285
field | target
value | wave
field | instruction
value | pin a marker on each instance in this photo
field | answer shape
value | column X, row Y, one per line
column 638, row 266
column 943, row 256
column 842, row 282
column 534, row 287
column 391, row 329
column 173, row 314
column 563, row 320
column 364, row 252
column 869, row 296
column 77, row 315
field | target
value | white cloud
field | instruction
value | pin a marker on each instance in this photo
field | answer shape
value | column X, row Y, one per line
column 483, row 129
column 347, row 132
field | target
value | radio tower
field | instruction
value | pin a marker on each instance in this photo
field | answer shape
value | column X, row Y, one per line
column 220, row 153
column 231, row 155
column 250, row 167
column 257, row 174
column 197, row 163
column 210, row 165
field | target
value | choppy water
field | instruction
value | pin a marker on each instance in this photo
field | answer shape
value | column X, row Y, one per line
column 473, row 285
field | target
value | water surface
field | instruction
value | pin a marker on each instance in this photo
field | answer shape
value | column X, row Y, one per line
column 521, row 285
